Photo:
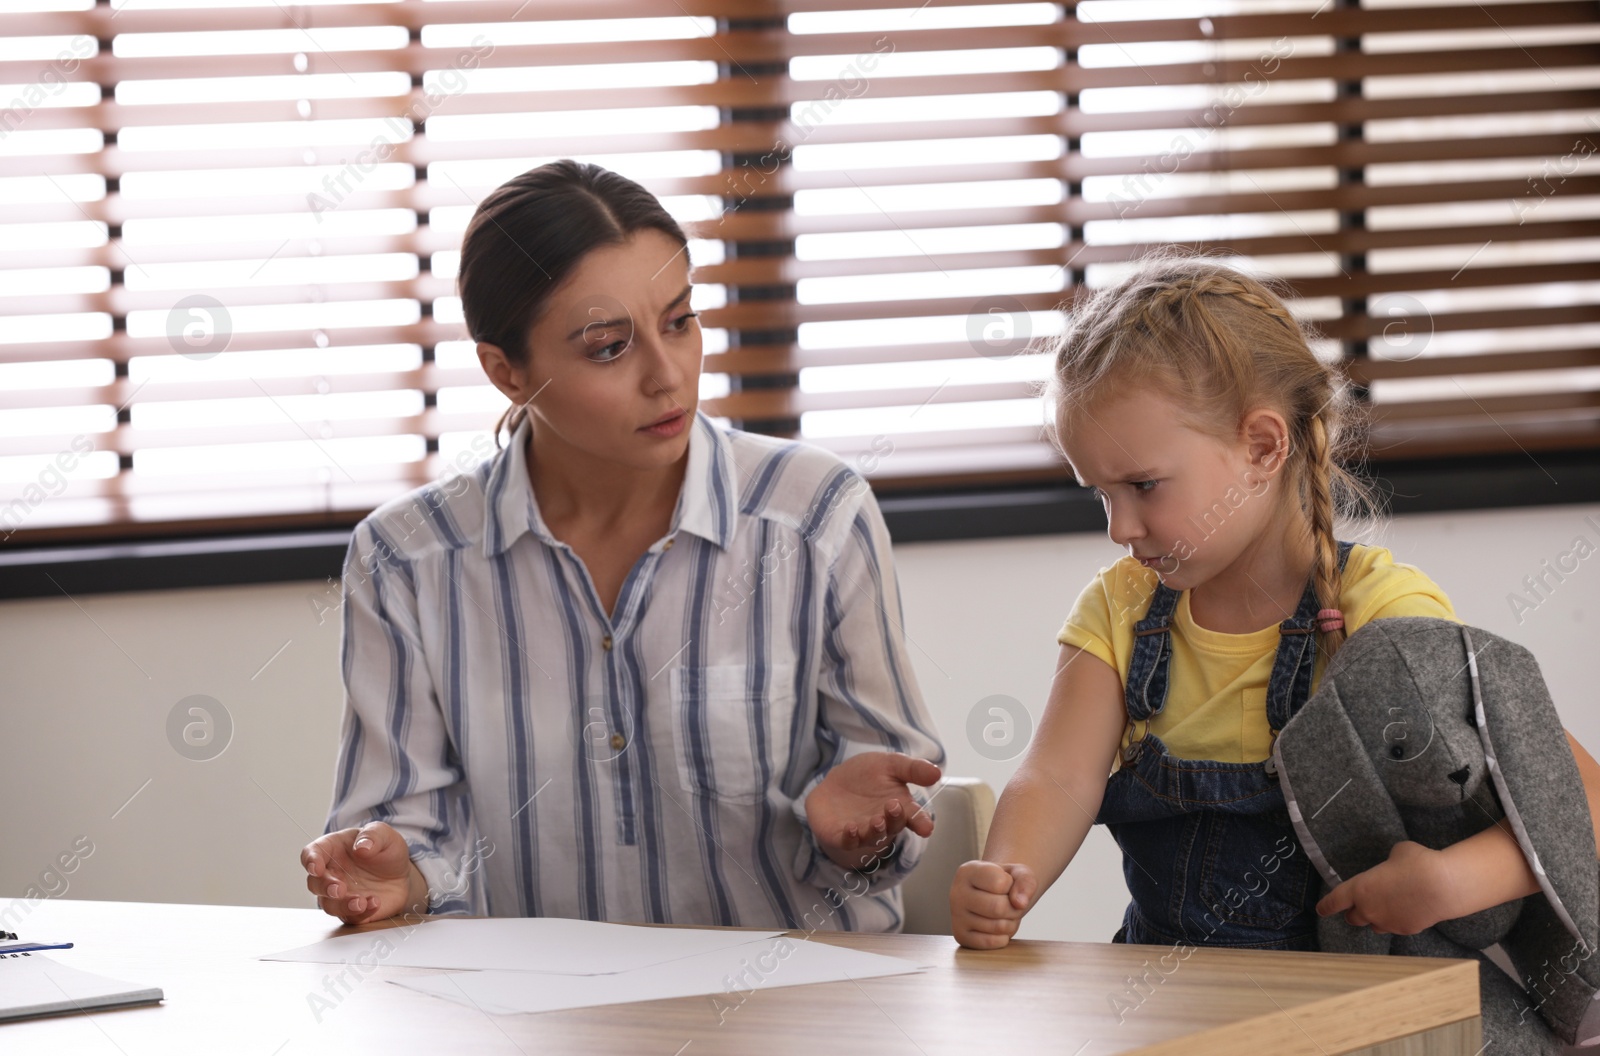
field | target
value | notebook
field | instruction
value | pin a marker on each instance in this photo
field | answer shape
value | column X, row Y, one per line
column 34, row 985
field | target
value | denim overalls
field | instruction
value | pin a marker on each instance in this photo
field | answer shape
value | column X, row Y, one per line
column 1207, row 849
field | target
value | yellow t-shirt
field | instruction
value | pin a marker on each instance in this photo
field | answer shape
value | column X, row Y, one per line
column 1217, row 693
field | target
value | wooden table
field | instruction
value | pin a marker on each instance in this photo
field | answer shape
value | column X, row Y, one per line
column 1081, row 999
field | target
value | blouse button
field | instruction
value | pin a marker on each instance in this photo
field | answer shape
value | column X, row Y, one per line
column 668, row 544
column 606, row 643
column 618, row 741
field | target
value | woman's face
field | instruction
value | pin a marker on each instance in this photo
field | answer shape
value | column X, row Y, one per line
column 613, row 363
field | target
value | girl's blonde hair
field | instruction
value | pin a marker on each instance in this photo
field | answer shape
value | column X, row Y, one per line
column 1219, row 343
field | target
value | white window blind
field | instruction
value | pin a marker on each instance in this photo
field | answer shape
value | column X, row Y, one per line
column 229, row 232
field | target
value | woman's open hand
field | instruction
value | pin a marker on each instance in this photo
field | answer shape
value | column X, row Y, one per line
column 862, row 805
column 365, row 874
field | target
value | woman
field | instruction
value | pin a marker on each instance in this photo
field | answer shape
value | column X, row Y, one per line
column 634, row 667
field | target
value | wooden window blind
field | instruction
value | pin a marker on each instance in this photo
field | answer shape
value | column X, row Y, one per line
column 229, row 231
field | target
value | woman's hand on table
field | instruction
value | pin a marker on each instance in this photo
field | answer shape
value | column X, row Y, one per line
column 865, row 802
column 988, row 901
column 363, row 874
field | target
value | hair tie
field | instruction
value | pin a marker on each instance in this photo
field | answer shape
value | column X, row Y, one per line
column 1330, row 620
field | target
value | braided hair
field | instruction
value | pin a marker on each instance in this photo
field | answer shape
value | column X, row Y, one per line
column 1219, row 342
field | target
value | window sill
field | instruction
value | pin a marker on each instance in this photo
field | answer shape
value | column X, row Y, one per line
column 1497, row 482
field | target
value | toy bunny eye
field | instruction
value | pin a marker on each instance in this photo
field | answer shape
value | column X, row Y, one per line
column 1398, row 751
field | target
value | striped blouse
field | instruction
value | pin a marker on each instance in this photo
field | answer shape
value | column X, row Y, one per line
column 542, row 758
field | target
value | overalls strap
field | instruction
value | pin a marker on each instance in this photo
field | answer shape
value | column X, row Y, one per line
column 1146, row 689
column 1290, row 685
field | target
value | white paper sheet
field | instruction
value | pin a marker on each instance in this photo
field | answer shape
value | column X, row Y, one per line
column 523, row 944
column 732, row 973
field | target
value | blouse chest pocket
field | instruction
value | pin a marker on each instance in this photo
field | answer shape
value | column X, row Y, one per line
column 731, row 733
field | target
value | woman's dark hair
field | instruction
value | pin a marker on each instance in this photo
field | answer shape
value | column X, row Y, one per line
column 529, row 234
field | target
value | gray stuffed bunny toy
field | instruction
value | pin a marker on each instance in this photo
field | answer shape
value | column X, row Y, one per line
column 1428, row 730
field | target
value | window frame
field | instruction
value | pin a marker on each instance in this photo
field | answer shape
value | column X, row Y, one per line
column 1456, row 485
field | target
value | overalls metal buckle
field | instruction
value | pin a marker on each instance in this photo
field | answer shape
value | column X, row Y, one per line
column 1135, row 745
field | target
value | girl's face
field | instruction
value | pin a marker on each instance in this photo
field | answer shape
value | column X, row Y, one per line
column 613, row 367
column 1181, row 501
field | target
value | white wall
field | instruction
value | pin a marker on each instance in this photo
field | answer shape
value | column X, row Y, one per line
column 90, row 682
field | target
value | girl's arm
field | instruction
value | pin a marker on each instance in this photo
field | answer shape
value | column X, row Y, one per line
column 1416, row 888
column 1048, row 805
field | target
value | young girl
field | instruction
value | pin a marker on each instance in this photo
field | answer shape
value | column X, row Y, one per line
column 1188, row 398
column 636, row 666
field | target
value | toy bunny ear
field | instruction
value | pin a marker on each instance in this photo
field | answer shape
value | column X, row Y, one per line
column 1541, row 792
column 1344, row 816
